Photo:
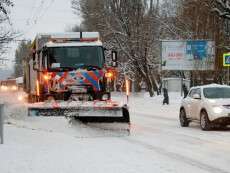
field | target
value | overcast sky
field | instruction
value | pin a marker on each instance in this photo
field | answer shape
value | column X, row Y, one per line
column 30, row 17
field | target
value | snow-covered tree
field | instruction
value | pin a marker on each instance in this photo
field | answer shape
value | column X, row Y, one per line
column 128, row 26
column 222, row 7
column 195, row 19
column 6, row 34
column 21, row 54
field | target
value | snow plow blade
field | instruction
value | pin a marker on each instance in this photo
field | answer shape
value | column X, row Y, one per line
column 84, row 113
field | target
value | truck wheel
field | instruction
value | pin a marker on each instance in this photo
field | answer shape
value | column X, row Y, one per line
column 204, row 121
column 183, row 119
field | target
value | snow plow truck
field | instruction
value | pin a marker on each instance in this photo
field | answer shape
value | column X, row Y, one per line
column 66, row 75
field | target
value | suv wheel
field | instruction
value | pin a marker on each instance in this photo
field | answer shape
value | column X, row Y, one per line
column 183, row 119
column 204, row 121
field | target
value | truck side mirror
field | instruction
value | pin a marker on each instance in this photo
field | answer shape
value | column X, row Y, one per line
column 114, row 59
column 45, row 51
column 35, row 66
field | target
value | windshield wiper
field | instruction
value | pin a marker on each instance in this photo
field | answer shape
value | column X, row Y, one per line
column 67, row 68
column 63, row 68
column 88, row 66
column 92, row 67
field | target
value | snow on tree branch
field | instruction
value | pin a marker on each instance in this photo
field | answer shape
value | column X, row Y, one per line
column 222, row 8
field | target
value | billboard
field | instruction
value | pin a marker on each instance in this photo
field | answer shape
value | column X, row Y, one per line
column 187, row 54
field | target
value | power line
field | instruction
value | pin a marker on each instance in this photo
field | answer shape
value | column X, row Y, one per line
column 40, row 8
column 32, row 13
column 20, row 40
column 32, row 19
column 47, row 8
column 39, row 17
column 36, row 12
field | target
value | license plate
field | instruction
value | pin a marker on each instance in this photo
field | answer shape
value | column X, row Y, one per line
column 76, row 89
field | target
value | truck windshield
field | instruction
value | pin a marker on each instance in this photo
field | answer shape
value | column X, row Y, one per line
column 75, row 57
column 217, row 92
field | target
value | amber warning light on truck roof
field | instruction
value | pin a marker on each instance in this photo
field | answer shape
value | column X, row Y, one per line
column 61, row 40
column 89, row 39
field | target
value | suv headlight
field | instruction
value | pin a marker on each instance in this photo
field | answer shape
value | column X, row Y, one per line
column 217, row 109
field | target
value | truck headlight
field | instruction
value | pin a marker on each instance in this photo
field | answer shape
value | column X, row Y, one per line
column 108, row 74
column 46, row 77
column 217, row 109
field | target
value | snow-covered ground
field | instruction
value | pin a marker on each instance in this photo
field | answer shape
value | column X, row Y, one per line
column 156, row 142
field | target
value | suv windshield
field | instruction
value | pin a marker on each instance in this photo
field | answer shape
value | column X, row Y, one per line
column 217, row 92
column 74, row 57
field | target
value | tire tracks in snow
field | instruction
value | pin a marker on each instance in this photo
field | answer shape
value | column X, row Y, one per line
column 175, row 156
column 154, row 116
column 169, row 154
column 177, row 128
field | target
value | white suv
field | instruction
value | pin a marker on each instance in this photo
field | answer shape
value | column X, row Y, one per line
column 208, row 104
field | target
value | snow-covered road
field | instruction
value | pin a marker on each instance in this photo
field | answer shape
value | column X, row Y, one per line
column 156, row 142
